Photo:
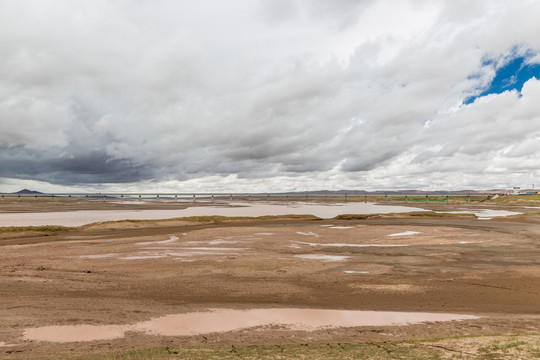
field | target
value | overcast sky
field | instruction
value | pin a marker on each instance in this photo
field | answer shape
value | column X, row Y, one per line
column 269, row 95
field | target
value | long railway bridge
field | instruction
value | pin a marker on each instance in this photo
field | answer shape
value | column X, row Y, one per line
column 267, row 197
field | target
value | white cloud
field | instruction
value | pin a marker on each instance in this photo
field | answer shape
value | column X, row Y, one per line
column 282, row 94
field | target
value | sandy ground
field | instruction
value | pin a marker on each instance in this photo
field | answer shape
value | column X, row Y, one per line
column 125, row 273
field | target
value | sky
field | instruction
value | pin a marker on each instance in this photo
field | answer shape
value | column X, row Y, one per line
column 269, row 95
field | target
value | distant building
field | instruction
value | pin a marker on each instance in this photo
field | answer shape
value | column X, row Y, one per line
column 516, row 190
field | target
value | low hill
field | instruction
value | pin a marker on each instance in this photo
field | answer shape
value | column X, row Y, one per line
column 26, row 191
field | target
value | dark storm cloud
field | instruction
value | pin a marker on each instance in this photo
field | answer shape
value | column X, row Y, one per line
column 93, row 167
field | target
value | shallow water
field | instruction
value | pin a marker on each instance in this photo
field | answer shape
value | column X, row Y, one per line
column 171, row 239
column 405, row 233
column 216, row 242
column 323, row 257
column 213, row 248
column 73, row 333
column 486, row 214
column 307, row 233
column 142, row 257
column 98, row 256
column 349, row 245
column 4, row 344
column 78, row 218
column 223, row 320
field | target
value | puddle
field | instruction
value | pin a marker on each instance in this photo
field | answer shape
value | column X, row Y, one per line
column 220, row 242
column 183, row 252
column 224, row 320
column 205, row 252
column 340, row 227
column 351, row 245
column 326, row 225
column 97, row 256
column 158, row 248
column 355, row 272
column 323, row 257
column 213, row 248
column 215, row 242
column 405, row 233
column 307, row 233
column 3, row 344
column 401, row 288
column 171, row 239
column 143, row 257
column 495, row 213
column 78, row 218
column 486, row 214
column 73, row 333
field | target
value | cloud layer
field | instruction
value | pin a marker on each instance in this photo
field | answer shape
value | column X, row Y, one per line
column 266, row 95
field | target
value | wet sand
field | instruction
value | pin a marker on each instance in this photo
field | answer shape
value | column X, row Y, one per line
column 120, row 276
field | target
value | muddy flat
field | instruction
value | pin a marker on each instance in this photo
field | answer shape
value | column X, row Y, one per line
column 115, row 279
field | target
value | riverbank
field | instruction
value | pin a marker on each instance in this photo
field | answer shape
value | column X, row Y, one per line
column 132, row 272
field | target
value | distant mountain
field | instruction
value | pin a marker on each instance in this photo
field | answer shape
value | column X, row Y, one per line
column 397, row 192
column 26, row 191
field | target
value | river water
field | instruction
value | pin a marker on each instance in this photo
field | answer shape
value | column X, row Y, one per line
column 83, row 217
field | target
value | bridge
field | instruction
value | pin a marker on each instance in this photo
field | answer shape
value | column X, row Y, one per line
column 268, row 197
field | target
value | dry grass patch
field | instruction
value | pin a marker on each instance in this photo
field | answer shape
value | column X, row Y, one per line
column 191, row 220
column 475, row 347
column 44, row 228
column 516, row 200
column 413, row 214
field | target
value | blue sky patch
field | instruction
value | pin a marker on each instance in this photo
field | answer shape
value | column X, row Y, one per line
column 510, row 76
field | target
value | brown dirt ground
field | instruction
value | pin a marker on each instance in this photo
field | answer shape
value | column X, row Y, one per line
column 56, row 278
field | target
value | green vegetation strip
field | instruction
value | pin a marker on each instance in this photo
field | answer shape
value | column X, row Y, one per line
column 44, row 228
column 407, row 214
column 217, row 219
column 439, row 214
column 473, row 347
column 211, row 219
column 222, row 219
